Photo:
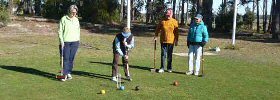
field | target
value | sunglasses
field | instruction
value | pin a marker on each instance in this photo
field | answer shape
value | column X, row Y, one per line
column 73, row 12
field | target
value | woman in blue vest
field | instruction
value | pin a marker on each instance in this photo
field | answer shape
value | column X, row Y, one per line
column 121, row 45
column 197, row 38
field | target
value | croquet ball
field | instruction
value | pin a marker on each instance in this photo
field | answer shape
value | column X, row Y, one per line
column 176, row 83
column 137, row 88
column 122, row 88
column 103, row 92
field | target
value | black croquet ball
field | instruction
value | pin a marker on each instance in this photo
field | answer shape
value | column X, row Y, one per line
column 137, row 88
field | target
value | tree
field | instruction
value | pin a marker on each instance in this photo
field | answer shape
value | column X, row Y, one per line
column 138, row 5
column 275, row 27
column 38, row 7
column 182, row 13
column 193, row 10
column 4, row 14
column 156, row 10
column 122, row 10
column 224, row 6
column 207, row 13
column 28, row 9
column 11, row 6
column 199, row 6
column 248, row 18
column 133, row 7
column 174, row 6
column 224, row 21
column 148, row 9
column 187, row 13
column 265, row 15
column 258, row 17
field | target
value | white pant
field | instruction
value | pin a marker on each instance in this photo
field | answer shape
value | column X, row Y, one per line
column 194, row 51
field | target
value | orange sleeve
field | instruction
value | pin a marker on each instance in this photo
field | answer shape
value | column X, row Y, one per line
column 159, row 26
column 176, row 30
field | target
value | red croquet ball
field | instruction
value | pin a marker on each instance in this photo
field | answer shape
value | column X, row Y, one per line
column 176, row 83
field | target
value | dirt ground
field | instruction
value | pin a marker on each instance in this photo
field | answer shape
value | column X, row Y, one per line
column 252, row 49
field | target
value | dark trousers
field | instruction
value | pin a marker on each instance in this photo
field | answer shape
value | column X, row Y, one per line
column 166, row 50
column 69, row 52
column 115, row 65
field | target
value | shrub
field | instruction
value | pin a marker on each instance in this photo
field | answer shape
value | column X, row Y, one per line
column 232, row 47
column 4, row 16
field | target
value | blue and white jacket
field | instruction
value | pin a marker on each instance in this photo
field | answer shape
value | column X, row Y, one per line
column 118, row 43
column 198, row 33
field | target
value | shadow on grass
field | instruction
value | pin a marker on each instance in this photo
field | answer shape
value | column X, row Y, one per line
column 253, row 37
column 91, row 75
column 50, row 75
column 29, row 71
column 131, row 66
column 136, row 67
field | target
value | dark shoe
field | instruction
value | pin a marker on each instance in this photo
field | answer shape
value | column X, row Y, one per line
column 128, row 78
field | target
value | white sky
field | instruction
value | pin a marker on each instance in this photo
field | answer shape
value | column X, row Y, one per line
column 241, row 9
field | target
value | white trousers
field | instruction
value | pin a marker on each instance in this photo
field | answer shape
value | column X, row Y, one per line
column 195, row 51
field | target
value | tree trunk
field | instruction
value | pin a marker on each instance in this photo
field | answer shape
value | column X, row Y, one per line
column 132, row 10
column 199, row 6
column 11, row 7
column 265, row 15
column 28, row 7
column 270, row 17
column 275, row 27
column 254, row 6
column 187, row 12
column 207, row 13
column 258, row 17
column 182, row 13
column 194, row 10
column 174, row 7
column 121, row 12
column 224, row 6
column 38, row 7
column 148, row 13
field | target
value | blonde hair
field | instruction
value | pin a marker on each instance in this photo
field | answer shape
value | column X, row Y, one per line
column 126, row 29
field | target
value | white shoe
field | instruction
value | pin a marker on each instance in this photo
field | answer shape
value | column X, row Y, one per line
column 160, row 71
column 189, row 73
column 69, row 76
column 64, row 79
column 196, row 73
column 169, row 71
column 114, row 79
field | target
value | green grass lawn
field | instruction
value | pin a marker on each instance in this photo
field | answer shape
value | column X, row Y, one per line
column 29, row 63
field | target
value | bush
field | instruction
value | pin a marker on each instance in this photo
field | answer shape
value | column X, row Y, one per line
column 95, row 11
column 224, row 22
column 100, row 11
column 55, row 9
column 4, row 16
column 249, row 18
column 232, row 47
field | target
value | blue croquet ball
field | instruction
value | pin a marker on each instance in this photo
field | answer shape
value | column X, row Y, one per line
column 122, row 88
